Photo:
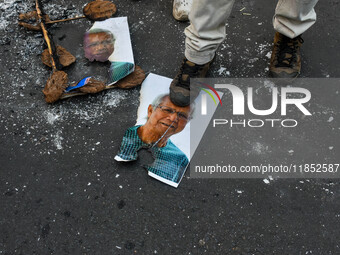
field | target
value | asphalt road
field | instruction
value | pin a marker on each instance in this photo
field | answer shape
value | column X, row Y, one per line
column 61, row 191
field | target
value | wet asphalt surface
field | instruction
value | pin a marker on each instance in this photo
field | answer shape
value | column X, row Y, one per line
column 61, row 191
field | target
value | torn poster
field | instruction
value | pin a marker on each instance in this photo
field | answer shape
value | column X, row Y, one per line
column 164, row 129
column 109, row 40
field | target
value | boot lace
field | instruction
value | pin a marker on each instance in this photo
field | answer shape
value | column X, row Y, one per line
column 286, row 54
column 191, row 71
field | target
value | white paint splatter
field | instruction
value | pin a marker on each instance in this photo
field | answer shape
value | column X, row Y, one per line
column 252, row 60
column 113, row 98
column 57, row 140
column 268, row 83
column 51, row 116
column 259, row 148
column 223, row 70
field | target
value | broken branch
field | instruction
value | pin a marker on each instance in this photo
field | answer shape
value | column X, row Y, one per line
column 30, row 26
column 62, row 20
column 45, row 33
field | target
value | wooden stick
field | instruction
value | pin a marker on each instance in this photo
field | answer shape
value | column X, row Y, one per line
column 62, row 20
column 30, row 26
column 47, row 39
column 73, row 94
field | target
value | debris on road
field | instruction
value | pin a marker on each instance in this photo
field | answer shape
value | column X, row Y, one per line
column 55, row 86
column 58, row 57
column 99, row 10
column 65, row 57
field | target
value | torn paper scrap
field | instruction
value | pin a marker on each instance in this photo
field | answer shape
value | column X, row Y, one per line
column 164, row 129
column 109, row 40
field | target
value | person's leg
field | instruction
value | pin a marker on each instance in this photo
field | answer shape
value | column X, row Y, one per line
column 207, row 29
column 294, row 17
column 204, row 35
column 291, row 19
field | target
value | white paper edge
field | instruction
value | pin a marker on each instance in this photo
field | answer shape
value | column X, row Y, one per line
column 171, row 183
column 117, row 158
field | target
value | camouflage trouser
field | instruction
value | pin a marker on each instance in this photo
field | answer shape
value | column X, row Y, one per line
column 208, row 17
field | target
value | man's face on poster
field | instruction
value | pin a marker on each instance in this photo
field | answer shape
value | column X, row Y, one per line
column 166, row 115
column 98, row 46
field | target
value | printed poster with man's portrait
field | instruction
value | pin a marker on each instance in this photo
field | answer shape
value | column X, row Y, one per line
column 109, row 40
column 164, row 129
